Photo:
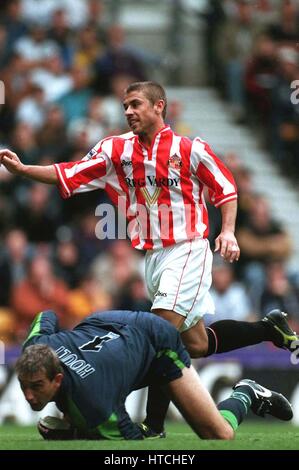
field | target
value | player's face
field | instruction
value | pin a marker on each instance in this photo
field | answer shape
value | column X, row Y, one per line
column 38, row 389
column 141, row 114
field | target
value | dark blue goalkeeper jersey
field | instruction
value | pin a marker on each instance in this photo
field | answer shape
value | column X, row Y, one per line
column 105, row 357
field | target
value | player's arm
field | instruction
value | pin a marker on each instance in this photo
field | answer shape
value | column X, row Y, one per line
column 119, row 426
column 88, row 174
column 44, row 174
column 220, row 182
column 226, row 242
column 45, row 323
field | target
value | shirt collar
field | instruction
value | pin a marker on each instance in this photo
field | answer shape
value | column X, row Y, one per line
column 164, row 130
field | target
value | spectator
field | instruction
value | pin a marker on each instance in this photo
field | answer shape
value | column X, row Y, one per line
column 89, row 48
column 261, row 77
column 67, row 262
column 13, row 263
column 119, row 263
column 53, row 79
column 39, row 10
column 133, row 295
column 35, row 217
column 261, row 240
column 14, row 25
column 35, row 48
column 24, row 142
column 285, row 114
column 32, row 108
column 236, row 42
column 230, row 298
column 52, row 137
column 119, row 59
column 94, row 124
column 286, row 31
column 8, row 328
column 40, row 291
column 88, row 297
column 280, row 293
column 61, row 33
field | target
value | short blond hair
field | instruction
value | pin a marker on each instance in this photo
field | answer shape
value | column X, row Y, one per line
column 152, row 90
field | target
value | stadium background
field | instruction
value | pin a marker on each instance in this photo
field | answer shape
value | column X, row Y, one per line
column 228, row 67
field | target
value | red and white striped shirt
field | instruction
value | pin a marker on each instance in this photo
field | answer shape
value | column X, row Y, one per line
column 162, row 186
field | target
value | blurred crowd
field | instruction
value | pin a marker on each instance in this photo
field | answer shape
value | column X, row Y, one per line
column 65, row 68
column 252, row 55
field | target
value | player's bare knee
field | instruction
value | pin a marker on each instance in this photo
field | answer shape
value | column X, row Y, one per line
column 224, row 433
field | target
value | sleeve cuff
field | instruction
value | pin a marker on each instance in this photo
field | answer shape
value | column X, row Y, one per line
column 61, row 185
column 231, row 197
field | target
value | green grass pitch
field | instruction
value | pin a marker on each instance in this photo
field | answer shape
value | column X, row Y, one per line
column 251, row 436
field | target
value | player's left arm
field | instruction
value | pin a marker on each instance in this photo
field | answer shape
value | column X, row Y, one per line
column 226, row 242
column 45, row 323
column 213, row 173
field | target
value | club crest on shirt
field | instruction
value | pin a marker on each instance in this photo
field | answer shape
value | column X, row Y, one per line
column 175, row 162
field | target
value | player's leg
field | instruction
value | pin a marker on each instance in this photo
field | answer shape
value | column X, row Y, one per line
column 220, row 337
column 173, row 278
column 199, row 410
column 180, row 278
column 197, row 407
column 165, row 271
column 227, row 335
column 196, row 340
column 172, row 317
column 157, row 401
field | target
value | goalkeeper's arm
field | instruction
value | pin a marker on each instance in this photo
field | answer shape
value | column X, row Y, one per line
column 45, row 323
column 118, row 426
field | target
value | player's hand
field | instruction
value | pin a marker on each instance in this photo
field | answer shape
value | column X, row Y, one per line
column 53, row 429
column 11, row 161
column 226, row 243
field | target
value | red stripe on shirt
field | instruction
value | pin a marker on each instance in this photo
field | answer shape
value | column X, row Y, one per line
column 165, row 213
column 211, row 182
column 83, row 177
column 187, row 187
column 139, row 175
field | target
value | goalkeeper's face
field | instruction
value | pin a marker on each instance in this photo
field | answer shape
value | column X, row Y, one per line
column 38, row 389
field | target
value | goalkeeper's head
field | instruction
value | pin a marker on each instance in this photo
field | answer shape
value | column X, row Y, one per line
column 40, row 375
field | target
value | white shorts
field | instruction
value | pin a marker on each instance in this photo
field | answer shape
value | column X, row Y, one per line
column 179, row 277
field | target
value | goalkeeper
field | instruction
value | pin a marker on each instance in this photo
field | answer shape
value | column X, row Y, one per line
column 90, row 370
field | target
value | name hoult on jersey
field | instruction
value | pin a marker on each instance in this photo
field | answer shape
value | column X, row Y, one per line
column 71, row 360
column 152, row 181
